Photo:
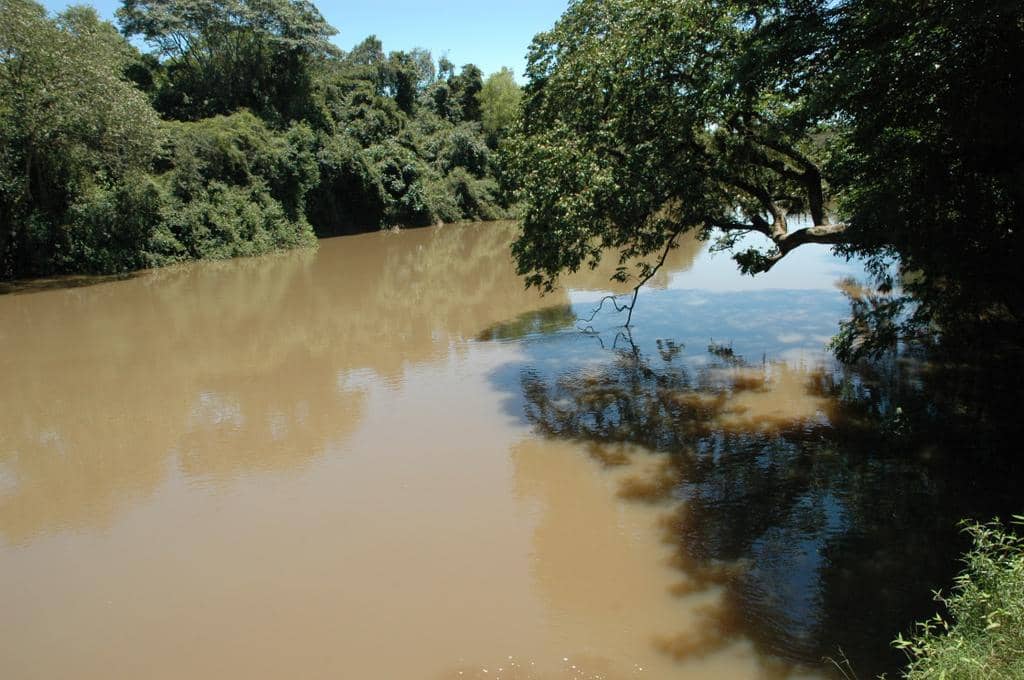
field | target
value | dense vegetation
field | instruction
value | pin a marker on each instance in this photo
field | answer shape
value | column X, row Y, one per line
column 244, row 130
column 985, row 638
column 893, row 129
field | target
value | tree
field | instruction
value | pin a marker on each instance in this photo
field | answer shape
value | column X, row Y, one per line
column 223, row 55
column 646, row 119
column 466, row 86
column 642, row 120
column 424, row 63
column 402, row 78
column 72, row 129
column 455, row 97
column 930, row 167
column 499, row 104
column 370, row 52
column 445, row 68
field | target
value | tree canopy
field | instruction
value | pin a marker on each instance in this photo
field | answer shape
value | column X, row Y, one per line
column 71, row 127
column 499, row 102
column 244, row 130
column 805, row 121
column 222, row 55
column 928, row 160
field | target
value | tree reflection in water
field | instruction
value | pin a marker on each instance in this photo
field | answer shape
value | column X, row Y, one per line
column 826, row 513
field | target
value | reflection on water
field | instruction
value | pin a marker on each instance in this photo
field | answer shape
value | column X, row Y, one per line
column 824, row 531
column 290, row 465
column 223, row 368
column 387, row 459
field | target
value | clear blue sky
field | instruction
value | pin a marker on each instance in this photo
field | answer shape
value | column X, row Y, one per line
column 489, row 34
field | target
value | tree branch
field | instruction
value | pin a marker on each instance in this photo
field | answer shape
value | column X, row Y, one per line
column 810, row 178
column 778, row 226
column 826, row 234
column 669, row 245
column 760, row 226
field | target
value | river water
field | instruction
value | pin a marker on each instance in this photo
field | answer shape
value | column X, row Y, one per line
column 386, row 459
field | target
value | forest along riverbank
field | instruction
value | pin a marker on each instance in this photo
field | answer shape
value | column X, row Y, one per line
column 385, row 459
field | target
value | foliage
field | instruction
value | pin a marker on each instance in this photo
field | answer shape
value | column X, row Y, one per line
column 985, row 636
column 455, row 97
column 268, row 132
column 232, row 186
column 402, row 145
column 75, row 136
column 350, row 191
column 499, row 104
column 930, row 167
column 112, row 227
column 224, row 55
column 646, row 119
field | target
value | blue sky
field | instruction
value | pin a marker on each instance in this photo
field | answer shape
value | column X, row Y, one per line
column 489, row 34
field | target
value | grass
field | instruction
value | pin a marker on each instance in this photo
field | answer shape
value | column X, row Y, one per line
column 984, row 636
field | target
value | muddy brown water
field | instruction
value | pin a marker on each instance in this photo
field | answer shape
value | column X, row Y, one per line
column 386, row 459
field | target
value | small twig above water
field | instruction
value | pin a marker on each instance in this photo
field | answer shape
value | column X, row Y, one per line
column 600, row 305
column 636, row 289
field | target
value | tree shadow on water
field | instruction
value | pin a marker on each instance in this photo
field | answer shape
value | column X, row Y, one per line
column 24, row 286
column 532, row 323
column 823, row 503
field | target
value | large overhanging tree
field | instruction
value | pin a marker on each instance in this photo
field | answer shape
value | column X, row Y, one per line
column 643, row 119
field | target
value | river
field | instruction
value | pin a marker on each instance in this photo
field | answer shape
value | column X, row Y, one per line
column 386, row 459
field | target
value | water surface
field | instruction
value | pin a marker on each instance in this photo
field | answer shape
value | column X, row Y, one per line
column 386, row 459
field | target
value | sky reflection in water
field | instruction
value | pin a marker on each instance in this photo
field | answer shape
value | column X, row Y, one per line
column 387, row 459
column 790, row 481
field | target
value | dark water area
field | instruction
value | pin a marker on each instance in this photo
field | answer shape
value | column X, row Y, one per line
column 825, row 500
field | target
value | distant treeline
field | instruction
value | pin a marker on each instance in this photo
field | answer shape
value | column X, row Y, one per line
column 243, row 131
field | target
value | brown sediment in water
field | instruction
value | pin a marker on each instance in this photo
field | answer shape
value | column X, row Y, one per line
column 301, row 465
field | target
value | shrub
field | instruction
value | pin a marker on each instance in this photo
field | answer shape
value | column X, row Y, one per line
column 232, row 186
column 984, row 638
column 109, row 228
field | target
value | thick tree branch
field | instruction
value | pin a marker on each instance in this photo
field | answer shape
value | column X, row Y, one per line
column 786, row 150
column 776, row 165
column 826, row 234
column 810, row 178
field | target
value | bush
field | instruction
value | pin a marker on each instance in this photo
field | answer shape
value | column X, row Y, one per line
column 985, row 637
column 350, row 195
column 241, row 150
column 462, row 147
column 402, row 174
column 233, row 187
column 108, row 228
column 476, row 198
column 230, row 221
